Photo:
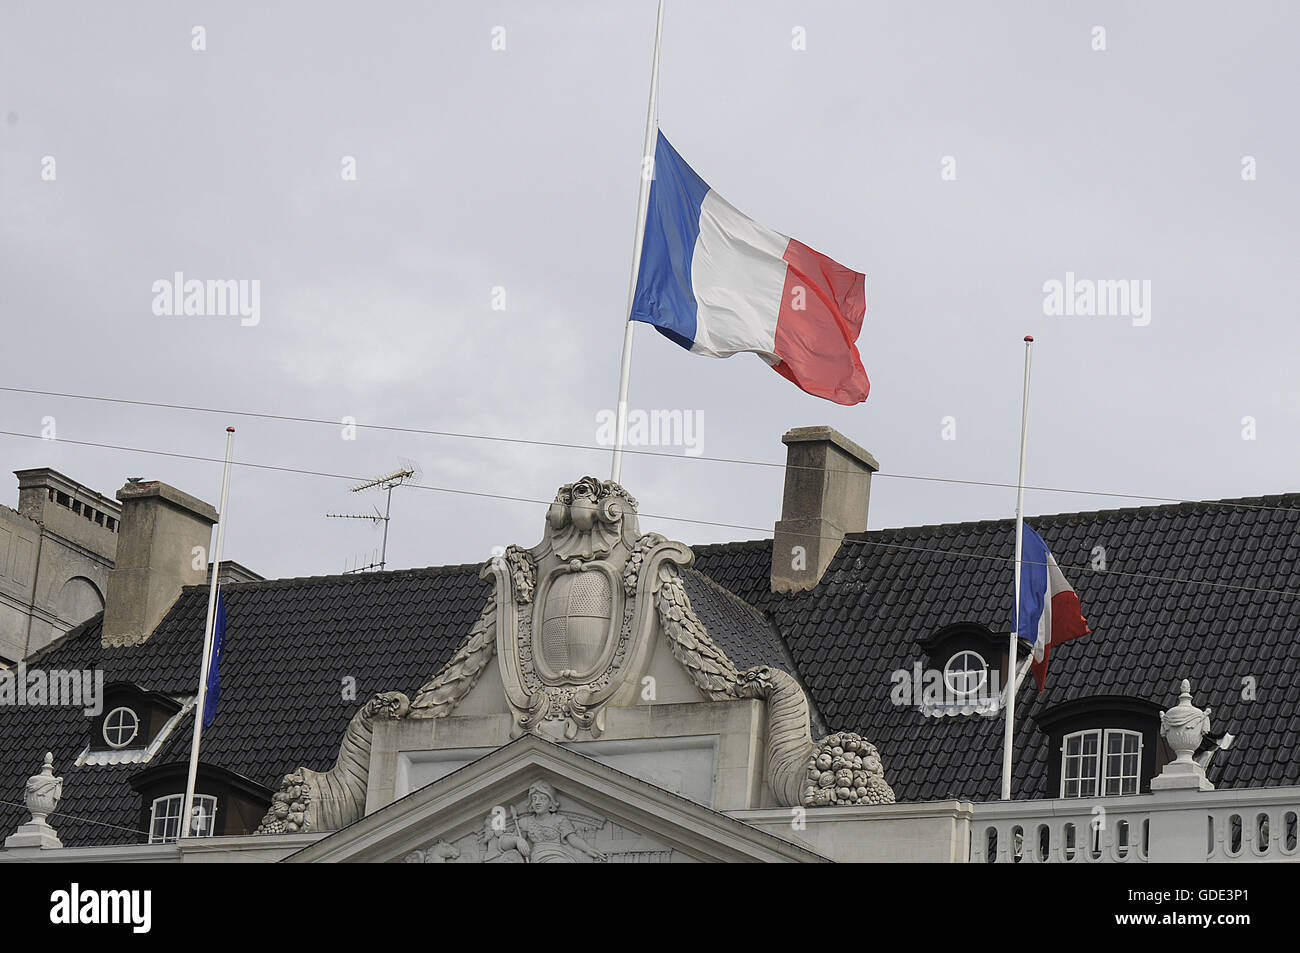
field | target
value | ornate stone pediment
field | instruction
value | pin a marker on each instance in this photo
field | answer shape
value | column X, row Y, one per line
column 533, row 801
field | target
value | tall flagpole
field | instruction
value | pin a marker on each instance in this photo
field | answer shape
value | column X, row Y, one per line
column 200, row 702
column 1009, row 726
column 642, row 203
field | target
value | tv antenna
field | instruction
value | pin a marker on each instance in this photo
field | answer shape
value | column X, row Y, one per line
column 388, row 482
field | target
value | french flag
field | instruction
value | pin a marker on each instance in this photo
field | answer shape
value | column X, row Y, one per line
column 1050, row 613
column 717, row 282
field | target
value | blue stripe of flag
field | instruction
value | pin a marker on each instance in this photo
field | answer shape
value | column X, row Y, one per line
column 1033, row 583
column 213, row 692
column 664, row 295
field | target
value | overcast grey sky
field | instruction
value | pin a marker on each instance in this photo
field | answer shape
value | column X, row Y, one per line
column 517, row 169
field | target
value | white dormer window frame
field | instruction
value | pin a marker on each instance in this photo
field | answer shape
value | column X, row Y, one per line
column 959, row 680
column 1101, row 762
column 165, row 817
column 119, row 732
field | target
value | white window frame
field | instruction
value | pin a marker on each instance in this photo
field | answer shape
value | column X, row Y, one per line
column 172, row 805
column 1107, row 777
column 135, row 733
column 947, row 674
column 1101, row 777
column 1082, row 775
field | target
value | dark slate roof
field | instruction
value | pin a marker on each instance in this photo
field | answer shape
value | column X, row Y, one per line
column 293, row 642
column 745, row 634
column 735, row 626
column 886, row 590
column 290, row 645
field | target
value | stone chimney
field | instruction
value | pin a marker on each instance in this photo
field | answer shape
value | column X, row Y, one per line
column 827, row 485
column 155, row 558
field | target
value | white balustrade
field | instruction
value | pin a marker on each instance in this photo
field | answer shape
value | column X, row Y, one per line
column 1230, row 826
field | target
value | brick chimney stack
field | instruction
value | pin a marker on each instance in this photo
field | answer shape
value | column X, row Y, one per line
column 161, row 526
column 827, row 486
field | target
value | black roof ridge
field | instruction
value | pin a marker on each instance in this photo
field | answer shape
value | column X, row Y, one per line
column 1142, row 510
column 1150, row 509
column 727, row 544
column 348, row 576
column 714, row 584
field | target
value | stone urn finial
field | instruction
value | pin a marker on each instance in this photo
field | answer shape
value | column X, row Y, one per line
column 42, row 797
column 1183, row 727
column 43, row 791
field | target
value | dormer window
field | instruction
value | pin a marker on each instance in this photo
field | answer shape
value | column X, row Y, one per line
column 225, row 803
column 1103, row 746
column 963, row 673
column 121, row 727
column 133, row 726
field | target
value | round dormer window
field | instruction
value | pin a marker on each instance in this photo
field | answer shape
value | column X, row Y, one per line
column 965, row 673
column 120, row 727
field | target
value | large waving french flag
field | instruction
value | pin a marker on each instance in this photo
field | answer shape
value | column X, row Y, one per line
column 717, row 283
column 1050, row 613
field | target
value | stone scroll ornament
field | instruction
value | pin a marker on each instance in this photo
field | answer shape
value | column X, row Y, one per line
column 572, row 622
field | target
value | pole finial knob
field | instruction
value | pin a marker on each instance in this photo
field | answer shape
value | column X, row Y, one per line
column 1029, row 339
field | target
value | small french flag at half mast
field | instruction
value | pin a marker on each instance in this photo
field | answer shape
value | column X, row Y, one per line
column 1050, row 613
column 717, row 283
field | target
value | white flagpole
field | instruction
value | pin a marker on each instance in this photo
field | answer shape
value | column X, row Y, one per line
column 1015, row 687
column 642, row 203
column 187, row 814
column 1008, row 728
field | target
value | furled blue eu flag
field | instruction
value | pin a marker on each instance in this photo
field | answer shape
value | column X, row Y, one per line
column 214, row 667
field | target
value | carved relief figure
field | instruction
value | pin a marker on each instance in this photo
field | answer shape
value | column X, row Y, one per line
column 545, row 836
column 491, row 850
column 440, row 853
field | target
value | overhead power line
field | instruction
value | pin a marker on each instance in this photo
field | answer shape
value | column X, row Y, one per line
column 885, row 544
column 494, row 438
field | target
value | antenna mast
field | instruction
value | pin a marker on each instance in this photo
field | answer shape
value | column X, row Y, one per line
column 388, row 482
